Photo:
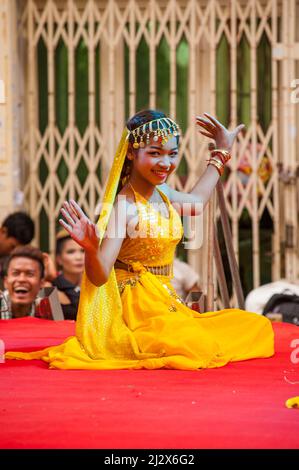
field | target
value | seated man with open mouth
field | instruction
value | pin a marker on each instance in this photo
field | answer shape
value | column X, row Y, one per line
column 24, row 277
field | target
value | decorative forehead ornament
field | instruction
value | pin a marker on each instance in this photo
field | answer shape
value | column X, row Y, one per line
column 159, row 130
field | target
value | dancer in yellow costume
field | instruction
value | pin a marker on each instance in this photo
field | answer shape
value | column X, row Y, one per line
column 129, row 315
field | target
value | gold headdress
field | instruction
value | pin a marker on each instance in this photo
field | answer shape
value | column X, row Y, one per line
column 157, row 129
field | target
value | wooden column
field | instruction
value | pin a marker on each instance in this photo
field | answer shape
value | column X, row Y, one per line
column 11, row 198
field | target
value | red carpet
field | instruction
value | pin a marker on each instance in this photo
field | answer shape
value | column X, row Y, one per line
column 241, row 405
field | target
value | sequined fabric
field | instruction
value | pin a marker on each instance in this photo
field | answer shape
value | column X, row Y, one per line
column 153, row 249
column 158, row 235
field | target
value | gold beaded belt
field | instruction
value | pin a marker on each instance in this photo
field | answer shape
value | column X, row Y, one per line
column 164, row 270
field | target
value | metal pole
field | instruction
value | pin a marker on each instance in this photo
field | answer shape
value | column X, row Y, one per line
column 229, row 246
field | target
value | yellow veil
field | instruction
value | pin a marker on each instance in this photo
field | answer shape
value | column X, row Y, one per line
column 100, row 328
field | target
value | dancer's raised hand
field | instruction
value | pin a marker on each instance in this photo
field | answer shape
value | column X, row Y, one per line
column 210, row 127
column 79, row 226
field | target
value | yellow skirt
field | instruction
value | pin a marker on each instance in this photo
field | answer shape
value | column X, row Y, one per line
column 168, row 334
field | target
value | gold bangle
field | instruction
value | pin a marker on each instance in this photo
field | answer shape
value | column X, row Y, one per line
column 220, row 172
column 224, row 155
column 217, row 159
column 217, row 162
column 218, row 166
column 224, row 151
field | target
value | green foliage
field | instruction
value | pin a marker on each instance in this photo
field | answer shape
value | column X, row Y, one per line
column 81, row 84
column 42, row 79
column 223, row 81
column 61, row 86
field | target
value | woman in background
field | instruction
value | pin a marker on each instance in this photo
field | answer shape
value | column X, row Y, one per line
column 70, row 263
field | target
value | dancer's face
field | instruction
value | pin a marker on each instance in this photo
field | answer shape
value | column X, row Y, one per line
column 155, row 162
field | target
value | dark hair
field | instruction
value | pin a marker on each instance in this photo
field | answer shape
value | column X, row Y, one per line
column 60, row 242
column 26, row 251
column 140, row 118
column 19, row 226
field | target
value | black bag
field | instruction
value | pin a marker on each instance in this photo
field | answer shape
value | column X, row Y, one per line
column 286, row 304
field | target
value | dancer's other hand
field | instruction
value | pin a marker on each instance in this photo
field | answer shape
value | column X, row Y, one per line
column 79, row 226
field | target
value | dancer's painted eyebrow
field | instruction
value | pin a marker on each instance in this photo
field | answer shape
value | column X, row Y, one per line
column 159, row 148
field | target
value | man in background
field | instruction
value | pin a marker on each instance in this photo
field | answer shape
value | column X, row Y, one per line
column 17, row 229
column 24, row 274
